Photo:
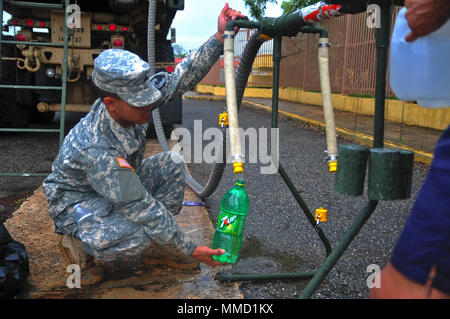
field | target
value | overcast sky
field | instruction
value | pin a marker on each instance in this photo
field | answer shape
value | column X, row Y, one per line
column 198, row 21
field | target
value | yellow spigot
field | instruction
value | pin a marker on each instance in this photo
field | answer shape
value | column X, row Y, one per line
column 238, row 168
column 332, row 166
column 223, row 118
column 321, row 215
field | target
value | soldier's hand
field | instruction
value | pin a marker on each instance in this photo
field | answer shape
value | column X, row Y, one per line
column 425, row 16
column 205, row 254
column 226, row 15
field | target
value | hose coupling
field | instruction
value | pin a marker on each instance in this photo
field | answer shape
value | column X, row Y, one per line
column 332, row 163
column 223, row 119
column 324, row 45
column 332, row 167
column 238, row 168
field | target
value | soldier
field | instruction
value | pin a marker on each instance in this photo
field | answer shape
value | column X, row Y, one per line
column 106, row 200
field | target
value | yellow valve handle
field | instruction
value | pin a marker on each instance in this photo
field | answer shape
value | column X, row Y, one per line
column 238, row 168
column 223, row 118
column 332, row 166
column 321, row 215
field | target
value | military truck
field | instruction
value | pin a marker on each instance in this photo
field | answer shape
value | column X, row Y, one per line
column 104, row 24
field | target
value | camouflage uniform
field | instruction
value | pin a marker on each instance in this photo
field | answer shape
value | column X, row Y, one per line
column 101, row 189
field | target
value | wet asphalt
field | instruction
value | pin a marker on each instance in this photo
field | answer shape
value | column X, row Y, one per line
column 278, row 238
column 25, row 152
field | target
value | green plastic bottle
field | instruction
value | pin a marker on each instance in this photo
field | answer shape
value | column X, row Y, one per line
column 230, row 225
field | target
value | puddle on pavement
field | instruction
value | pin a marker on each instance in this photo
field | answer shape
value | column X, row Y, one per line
column 163, row 282
column 207, row 286
column 126, row 280
column 254, row 260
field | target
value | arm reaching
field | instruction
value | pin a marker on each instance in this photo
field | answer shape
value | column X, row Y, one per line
column 197, row 63
column 205, row 254
column 226, row 15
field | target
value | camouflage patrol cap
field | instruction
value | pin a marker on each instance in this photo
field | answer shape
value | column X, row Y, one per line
column 127, row 75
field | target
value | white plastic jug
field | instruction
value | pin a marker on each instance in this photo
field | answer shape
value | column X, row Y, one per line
column 420, row 71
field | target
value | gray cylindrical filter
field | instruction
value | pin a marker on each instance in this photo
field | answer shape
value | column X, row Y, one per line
column 383, row 174
column 352, row 162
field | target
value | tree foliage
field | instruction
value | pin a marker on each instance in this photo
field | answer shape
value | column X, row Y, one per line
column 178, row 51
column 257, row 8
column 292, row 5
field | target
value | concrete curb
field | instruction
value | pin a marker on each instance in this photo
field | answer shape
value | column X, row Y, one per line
column 396, row 110
column 361, row 138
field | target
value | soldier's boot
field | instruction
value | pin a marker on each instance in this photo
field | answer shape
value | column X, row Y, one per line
column 73, row 253
column 166, row 255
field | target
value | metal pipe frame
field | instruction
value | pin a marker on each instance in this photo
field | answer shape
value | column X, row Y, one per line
column 31, row 5
column 333, row 255
column 34, row 43
column 63, row 88
column 283, row 276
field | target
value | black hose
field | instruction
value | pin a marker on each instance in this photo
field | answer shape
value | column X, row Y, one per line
column 151, row 57
column 242, row 74
column 151, row 61
column 245, row 65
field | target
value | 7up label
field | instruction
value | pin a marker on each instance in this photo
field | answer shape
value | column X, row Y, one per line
column 227, row 221
column 230, row 223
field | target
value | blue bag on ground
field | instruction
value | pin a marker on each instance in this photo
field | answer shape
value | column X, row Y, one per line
column 14, row 265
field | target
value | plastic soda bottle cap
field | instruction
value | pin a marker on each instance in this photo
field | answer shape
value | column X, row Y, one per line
column 240, row 182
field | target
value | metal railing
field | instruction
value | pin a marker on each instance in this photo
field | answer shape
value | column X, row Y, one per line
column 63, row 87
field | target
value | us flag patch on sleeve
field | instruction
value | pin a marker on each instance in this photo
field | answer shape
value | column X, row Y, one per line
column 124, row 163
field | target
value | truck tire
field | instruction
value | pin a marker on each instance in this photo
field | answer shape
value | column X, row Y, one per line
column 12, row 114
